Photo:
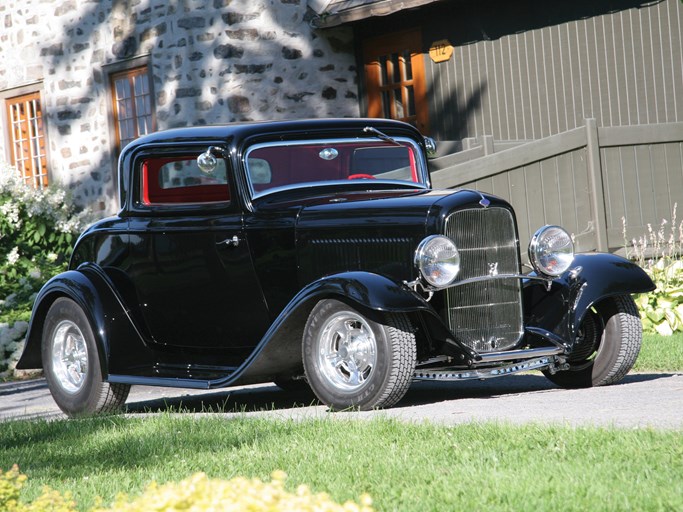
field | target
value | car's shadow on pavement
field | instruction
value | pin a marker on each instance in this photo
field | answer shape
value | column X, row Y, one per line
column 261, row 398
column 272, row 398
column 422, row 393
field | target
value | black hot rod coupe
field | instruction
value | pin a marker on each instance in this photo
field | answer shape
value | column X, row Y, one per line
column 316, row 252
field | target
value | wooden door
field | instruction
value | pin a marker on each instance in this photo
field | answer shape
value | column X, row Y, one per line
column 395, row 78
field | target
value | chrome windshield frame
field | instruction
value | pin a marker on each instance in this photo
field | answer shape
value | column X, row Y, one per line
column 422, row 172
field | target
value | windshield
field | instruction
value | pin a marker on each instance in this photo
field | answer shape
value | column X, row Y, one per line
column 278, row 165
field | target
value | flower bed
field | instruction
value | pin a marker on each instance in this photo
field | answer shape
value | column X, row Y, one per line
column 660, row 253
column 37, row 230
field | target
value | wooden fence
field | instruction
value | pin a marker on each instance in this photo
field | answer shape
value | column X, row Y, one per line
column 586, row 180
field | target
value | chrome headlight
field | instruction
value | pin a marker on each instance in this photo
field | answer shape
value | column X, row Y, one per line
column 438, row 260
column 551, row 251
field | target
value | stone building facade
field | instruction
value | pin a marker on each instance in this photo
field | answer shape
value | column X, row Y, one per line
column 75, row 71
column 205, row 62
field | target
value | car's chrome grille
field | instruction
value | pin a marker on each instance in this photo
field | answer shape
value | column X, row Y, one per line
column 486, row 315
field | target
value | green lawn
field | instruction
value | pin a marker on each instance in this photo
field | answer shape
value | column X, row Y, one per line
column 403, row 467
column 661, row 353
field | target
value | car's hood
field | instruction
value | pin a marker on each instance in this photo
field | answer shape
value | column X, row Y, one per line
column 345, row 214
column 376, row 231
column 406, row 210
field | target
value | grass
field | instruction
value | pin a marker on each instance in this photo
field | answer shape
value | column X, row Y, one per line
column 660, row 353
column 403, row 467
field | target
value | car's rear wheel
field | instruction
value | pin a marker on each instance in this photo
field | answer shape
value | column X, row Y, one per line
column 71, row 363
column 607, row 346
column 352, row 361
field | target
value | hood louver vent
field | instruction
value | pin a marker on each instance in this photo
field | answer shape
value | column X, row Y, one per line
column 390, row 256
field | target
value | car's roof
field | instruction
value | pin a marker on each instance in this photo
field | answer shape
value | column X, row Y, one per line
column 239, row 131
column 232, row 135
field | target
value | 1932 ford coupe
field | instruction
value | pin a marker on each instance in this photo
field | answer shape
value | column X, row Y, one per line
column 316, row 252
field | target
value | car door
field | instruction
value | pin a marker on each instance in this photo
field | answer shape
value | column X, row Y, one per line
column 190, row 260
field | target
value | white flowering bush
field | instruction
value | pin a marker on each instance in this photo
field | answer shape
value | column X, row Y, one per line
column 37, row 229
column 195, row 494
column 660, row 253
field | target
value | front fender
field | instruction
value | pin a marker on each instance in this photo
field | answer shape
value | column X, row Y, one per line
column 279, row 352
column 591, row 278
column 365, row 290
column 89, row 287
column 604, row 275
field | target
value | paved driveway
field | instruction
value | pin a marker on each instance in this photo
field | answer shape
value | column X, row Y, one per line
column 640, row 400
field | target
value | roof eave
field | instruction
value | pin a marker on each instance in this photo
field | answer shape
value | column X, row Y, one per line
column 380, row 8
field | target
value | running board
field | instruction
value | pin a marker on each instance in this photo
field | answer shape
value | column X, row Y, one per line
column 513, row 355
column 539, row 363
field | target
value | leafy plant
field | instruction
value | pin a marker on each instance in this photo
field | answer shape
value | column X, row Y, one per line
column 196, row 493
column 37, row 230
column 11, row 483
column 660, row 253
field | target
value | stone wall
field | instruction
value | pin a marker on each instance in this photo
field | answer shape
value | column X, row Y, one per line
column 212, row 61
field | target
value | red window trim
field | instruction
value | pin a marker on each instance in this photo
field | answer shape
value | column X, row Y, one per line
column 153, row 194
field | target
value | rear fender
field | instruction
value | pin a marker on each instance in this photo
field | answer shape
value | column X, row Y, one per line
column 90, row 288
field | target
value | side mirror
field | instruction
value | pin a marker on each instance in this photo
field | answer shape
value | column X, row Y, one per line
column 207, row 161
column 430, row 146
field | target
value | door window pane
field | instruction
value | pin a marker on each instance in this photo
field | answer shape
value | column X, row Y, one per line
column 384, row 79
column 407, row 61
column 410, row 92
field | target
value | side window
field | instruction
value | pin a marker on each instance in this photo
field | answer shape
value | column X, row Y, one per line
column 132, row 105
column 178, row 180
column 27, row 138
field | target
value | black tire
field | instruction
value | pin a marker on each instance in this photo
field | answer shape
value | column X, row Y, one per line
column 71, row 364
column 608, row 345
column 352, row 361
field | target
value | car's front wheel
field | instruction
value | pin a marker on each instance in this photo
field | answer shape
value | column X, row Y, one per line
column 71, row 363
column 352, row 361
column 607, row 346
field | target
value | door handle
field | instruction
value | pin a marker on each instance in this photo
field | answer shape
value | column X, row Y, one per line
column 233, row 241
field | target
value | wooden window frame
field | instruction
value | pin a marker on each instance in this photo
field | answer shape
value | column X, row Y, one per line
column 109, row 70
column 130, row 74
column 39, row 177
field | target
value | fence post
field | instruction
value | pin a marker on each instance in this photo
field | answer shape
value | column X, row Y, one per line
column 596, row 187
column 487, row 142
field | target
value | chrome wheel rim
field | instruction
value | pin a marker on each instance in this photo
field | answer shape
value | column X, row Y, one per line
column 69, row 356
column 348, row 351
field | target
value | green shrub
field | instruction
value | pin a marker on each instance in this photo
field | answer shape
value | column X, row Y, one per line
column 660, row 253
column 197, row 493
column 11, row 483
column 37, row 230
